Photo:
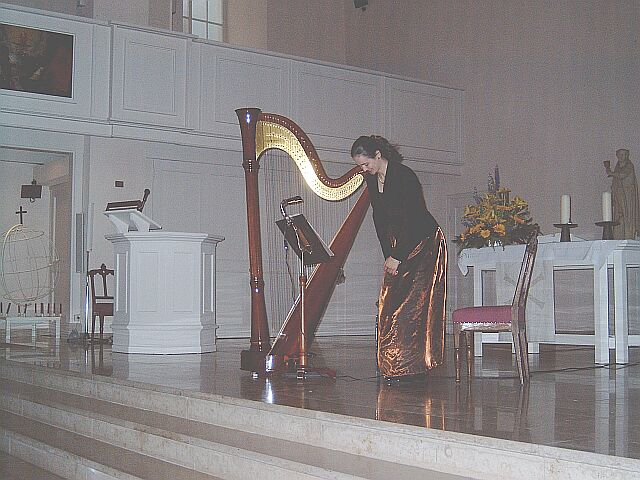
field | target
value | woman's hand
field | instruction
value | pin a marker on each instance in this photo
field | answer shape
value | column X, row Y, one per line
column 391, row 265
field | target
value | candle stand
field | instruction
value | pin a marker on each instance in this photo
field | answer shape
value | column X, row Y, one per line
column 565, row 230
column 607, row 229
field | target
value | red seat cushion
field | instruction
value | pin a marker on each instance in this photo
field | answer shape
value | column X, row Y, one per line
column 499, row 314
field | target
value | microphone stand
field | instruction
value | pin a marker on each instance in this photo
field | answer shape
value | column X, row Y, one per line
column 303, row 246
column 311, row 250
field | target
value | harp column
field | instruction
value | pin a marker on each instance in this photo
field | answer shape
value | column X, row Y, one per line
column 253, row 359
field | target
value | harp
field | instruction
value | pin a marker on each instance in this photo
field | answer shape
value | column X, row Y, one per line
column 262, row 132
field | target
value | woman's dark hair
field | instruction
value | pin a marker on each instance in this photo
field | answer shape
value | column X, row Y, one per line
column 368, row 145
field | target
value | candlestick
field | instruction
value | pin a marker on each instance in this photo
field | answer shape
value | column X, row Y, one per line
column 607, row 229
column 607, row 214
column 565, row 230
column 565, row 209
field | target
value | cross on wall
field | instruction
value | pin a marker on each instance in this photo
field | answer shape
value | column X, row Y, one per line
column 21, row 212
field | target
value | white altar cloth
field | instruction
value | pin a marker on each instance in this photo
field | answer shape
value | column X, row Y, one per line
column 553, row 255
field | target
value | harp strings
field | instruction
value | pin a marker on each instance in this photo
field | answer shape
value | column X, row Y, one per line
column 280, row 178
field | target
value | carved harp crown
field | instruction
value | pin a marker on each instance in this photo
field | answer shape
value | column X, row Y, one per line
column 261, row 132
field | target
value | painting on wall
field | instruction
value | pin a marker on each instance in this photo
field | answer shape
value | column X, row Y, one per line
column 36, row 61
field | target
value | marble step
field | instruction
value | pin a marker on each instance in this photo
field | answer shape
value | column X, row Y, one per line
column 273, row 427
column 72, row 456
column 91, row 414
column 400, row 446
column 14, row 468
column 188, row 452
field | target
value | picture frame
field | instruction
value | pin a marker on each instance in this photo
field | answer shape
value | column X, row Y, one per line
column 36, row 61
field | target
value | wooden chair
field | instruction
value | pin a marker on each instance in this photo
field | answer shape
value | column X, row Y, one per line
column 101, row 302
column 503, row 318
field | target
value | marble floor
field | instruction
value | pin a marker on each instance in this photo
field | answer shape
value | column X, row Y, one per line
column 570, row 402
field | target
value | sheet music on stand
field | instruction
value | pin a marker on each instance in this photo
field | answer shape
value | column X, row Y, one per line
column 317, row 251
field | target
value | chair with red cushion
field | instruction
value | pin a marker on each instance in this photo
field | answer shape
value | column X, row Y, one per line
column 503, row 318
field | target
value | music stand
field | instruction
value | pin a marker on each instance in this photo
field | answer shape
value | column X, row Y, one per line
column 311, row 250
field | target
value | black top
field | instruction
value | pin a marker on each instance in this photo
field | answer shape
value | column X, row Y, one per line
column 400, row 214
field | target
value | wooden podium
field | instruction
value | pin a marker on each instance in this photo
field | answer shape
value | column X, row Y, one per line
column 164, row 287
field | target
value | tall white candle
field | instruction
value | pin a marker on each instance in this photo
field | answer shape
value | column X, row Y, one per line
column 565, row 209
column 607, row 214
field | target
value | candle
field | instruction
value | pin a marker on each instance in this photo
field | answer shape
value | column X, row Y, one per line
column 565, row 209
column 606, row 207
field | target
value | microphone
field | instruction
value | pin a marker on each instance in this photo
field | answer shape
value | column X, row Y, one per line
column 292, row 200
column 144, row 199
column 289, row 201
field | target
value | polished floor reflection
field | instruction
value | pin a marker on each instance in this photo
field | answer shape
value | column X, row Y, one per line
column 569, row 403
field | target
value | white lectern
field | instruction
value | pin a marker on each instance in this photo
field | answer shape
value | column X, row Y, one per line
column 131, row 220
column 165, row 294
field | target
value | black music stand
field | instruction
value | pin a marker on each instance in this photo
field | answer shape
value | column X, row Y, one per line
column 311, row 250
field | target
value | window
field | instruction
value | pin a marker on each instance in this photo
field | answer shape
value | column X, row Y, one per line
column 203, row 18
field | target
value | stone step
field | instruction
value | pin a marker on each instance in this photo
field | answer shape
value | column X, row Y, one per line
column 14, row 468
column 299, row 453
column 70, row 455
column 269, row 433
column 189, row 452
column 335, row 433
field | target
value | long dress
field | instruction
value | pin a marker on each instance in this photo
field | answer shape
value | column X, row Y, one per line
column 411, row 317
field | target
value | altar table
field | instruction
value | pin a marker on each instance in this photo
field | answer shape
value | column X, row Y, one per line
column 597, row 255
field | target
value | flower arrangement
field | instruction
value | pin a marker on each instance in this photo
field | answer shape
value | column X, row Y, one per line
column 495, row 219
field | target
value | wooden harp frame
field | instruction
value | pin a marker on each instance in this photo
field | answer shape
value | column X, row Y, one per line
column 261, row 132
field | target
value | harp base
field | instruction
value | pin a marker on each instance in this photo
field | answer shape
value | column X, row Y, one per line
column 291, row 368
column 253, row 361
column 260, row 364
column 278, row 364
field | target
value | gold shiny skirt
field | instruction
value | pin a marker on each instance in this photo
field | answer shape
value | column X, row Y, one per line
column 412, row 314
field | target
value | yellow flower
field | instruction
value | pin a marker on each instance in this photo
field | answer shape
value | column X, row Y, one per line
column 470, row 210
column 519, row 202
column 492, row 220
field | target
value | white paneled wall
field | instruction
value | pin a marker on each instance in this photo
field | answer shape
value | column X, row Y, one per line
column 336, row 105
column 157, row 110
column 426, row 121
column 149, row 77
column 231, row 79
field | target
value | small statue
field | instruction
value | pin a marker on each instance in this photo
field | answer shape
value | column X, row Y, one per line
column 624, row 196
